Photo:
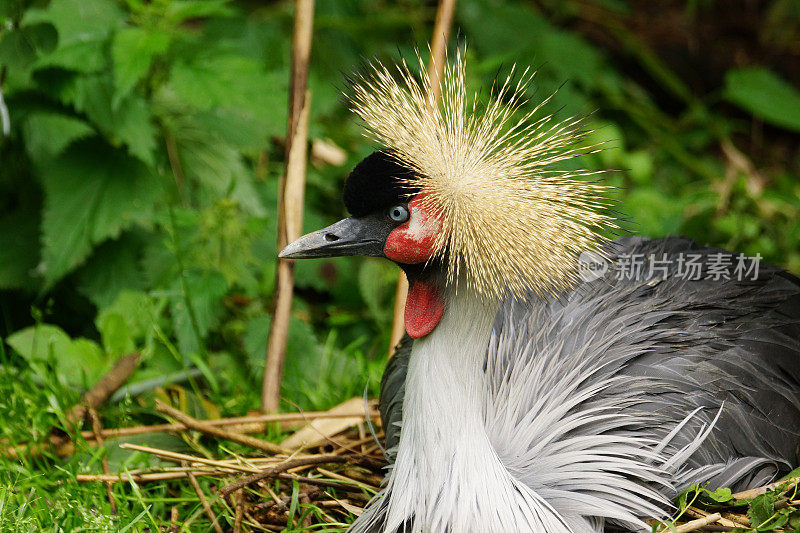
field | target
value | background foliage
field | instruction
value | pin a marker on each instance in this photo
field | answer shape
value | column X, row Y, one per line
column 138, row 186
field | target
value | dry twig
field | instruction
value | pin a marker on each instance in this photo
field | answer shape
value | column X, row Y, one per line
column 283, row 467
column 204, row 502
column 208, row 429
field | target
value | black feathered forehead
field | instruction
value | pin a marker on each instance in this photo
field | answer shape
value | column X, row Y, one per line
column 376, row 183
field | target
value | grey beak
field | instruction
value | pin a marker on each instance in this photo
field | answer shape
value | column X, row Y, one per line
column 351, row 236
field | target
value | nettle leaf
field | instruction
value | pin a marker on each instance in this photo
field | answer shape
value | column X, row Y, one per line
column 138, row 310
column 217, row 165
column 78, row 19
column 180, row 10
column 92, row 193
column 116, row 335
column 203, row 292
column 21, row 46
column 19, row 249
column 73, row 358
column 82, row 27
column 14, row 9
column 47, row 134
column 133, row 51
column 128, row 122
column 230, row 81
column 764, row 94
column 762, row 508
column 113, row 267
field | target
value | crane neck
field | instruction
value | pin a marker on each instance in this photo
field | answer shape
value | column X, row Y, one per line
column 447, row 474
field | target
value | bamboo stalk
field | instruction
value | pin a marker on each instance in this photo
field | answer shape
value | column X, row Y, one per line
column 441, row 32
column 290, row 202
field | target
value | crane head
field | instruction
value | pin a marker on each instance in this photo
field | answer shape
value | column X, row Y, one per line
column 389, row 220
column 466, row 195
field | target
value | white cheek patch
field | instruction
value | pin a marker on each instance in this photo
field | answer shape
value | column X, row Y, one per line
column 421, row 226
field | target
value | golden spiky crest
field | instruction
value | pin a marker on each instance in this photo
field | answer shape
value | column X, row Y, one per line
column 511, row 223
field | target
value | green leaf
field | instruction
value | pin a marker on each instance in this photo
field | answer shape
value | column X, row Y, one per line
column 73, row 358
column 20, row 47
column 197, row 310
column 78, row 20
column 19, row 248
column 762, row 508
column 126, row 122
column 721, row 495
column 82, row 27
column 229, row 81
column 113, row 267
column 133, row 51
column 48, row 134
column 117, row 336
column 136, row 308
column 92, row 193
column 764, row 94
column 655, row 213
column 217, row 165
column 180, row 10
column 14, row 9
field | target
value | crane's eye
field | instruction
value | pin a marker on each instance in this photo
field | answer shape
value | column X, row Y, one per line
column 399, row 213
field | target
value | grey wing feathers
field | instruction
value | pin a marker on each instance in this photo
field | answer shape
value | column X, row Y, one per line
column 728, row 346
column 393, row 385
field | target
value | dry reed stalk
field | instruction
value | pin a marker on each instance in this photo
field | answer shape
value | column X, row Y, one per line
column 344, row 487
column 208, row 429
column 254, row 424
column 237, row 519
column 698, row 513
column 125, row 477
column 173, row 520
column 758, row 491
column 191, row 459
column 441, row 32
column 290, row 202
column 283, row 467
column 694, row 525
column 340, row 477
column 350, row 446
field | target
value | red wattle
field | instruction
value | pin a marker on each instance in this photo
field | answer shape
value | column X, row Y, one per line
column 424, row 308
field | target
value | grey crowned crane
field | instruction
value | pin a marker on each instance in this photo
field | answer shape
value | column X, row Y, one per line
column 526, row 397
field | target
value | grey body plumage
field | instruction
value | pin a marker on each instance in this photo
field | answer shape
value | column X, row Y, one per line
column 717, row 362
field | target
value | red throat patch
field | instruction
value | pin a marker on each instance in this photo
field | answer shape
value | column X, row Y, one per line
column 424, row 308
